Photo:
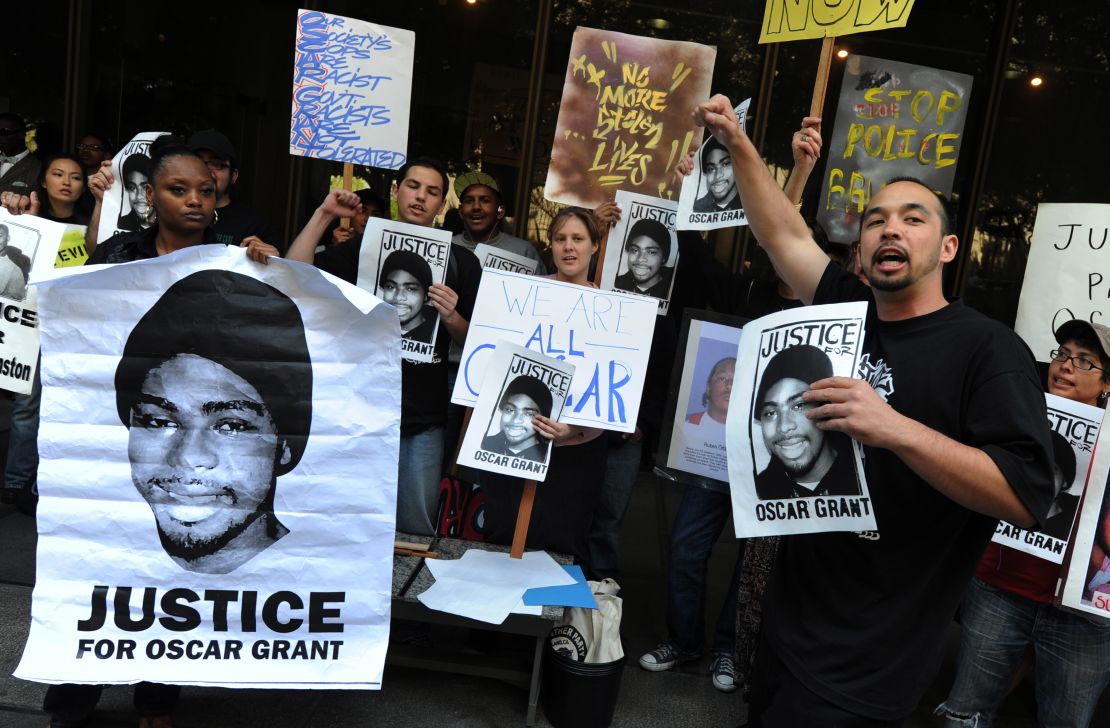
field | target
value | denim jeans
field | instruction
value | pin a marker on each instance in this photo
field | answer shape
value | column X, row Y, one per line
column 21, row 470
column 419, row 472
column 702, row 515
column 621, row 471
column 1071, row 657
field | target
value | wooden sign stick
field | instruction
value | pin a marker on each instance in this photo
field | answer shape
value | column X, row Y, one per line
column 348, row 182
column 523, row 517
column 817, row 104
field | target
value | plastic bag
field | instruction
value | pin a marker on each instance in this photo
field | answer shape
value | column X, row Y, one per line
column 592, row 635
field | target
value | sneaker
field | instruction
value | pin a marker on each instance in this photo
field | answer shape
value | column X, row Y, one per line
column 724, row 673
column 663, row 657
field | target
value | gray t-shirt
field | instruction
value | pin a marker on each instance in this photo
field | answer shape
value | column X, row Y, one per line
column 508, row 243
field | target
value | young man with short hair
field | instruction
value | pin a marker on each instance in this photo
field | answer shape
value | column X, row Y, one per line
column 952, row 418
column 235, row 221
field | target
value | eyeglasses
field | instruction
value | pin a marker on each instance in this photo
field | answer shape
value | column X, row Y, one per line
column 1081, row 363
column 90, row 148
column 217, row 165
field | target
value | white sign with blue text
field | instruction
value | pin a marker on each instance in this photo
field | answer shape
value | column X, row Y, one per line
column 605, row 334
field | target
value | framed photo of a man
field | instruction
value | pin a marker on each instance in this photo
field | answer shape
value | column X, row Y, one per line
column 399, row 262
column 1086, row 572
column 786, row 474
column 218, row 443
column 519, row 385
column 642, row 251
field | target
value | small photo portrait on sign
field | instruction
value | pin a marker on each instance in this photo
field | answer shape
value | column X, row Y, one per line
column 1096, row 585
column 18, row 246
column 135, row 210
column 647, row 260
column 802, row 460
column 510, row 430
column 1061, row 514
column 217, row 409
column 716, row 181
column 404, row 283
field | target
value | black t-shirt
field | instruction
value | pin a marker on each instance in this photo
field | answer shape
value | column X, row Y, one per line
column 424, row 395
column 859, row 618
column 237, row 221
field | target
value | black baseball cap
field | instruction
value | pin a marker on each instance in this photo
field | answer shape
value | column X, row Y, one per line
column 214, row 142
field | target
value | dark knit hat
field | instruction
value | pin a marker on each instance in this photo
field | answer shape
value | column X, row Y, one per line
column 533, row 388
column 409, row 262
column 653, row 229
column 803, row 362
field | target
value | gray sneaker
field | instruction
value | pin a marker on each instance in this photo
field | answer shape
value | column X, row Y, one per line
column 724, row 673
column 663, row 657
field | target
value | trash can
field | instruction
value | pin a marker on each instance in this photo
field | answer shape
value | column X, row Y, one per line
column 579, row 694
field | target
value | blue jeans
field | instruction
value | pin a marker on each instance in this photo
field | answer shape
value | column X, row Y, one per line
column 702, row 515
column 22, row 467
column 621, row 470
column 1071, row 658
column 419, row 473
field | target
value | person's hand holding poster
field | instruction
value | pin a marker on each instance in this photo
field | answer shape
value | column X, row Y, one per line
column 1086, row 581
column 893, row 119
column 605, row 334
column 519, row 385
column 351, row 86
column 1074, row 430
column 28, row 248
column 709, row 198
column 642, row 252
column 786, row 474
column 218, row 479
column 126, row 207
column 624, row 119
column 398, row 263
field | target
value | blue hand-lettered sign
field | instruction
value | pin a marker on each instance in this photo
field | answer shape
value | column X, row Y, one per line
column 352, row 81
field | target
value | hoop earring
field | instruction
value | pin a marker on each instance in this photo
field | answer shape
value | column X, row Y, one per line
column 1102, row 399
column 215, row 216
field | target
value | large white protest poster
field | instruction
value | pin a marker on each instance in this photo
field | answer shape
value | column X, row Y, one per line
column 786, row 474
column 1086, row 579
column 352, row 82
column 28, row 248
column 399, row 262
column 491, row 256
column 218, row 476
column 642, row 252
column 1074, row 431
column 709, row 198
column 519, row 384
column 125, row 207
column 1066, row 276
column 605, row 334
column 697, row 442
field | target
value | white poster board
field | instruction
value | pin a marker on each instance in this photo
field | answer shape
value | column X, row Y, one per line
column 399, row 262
column 1074, row 431
column 352, row 82
column 1086, row 578
column 30, row 249
column 125, row 208
column 1066, row 276
column 519, row 385
column 709, row 198
column 606, row 335
column 642, row 253
column 787, row 475
column 490, row 256
column 218, row 476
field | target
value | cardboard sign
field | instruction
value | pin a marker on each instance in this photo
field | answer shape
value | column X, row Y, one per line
column 1074, row 432
column 787, row 475
column 1086, row 577
column 490, row 256
column 624, row 120
column 697, row 443
column 125, row 208
column 606, row 335
column 30, row 247
column 352, row 82
column 203, row 420
column 398, row 263
column 519, row 385
column 642, row 252
column 1067, row 275
column 892, row 120
column 709, row 198
column 800, row 19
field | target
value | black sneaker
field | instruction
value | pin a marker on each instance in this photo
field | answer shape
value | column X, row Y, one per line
column 664, row 657
column 723, row 670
